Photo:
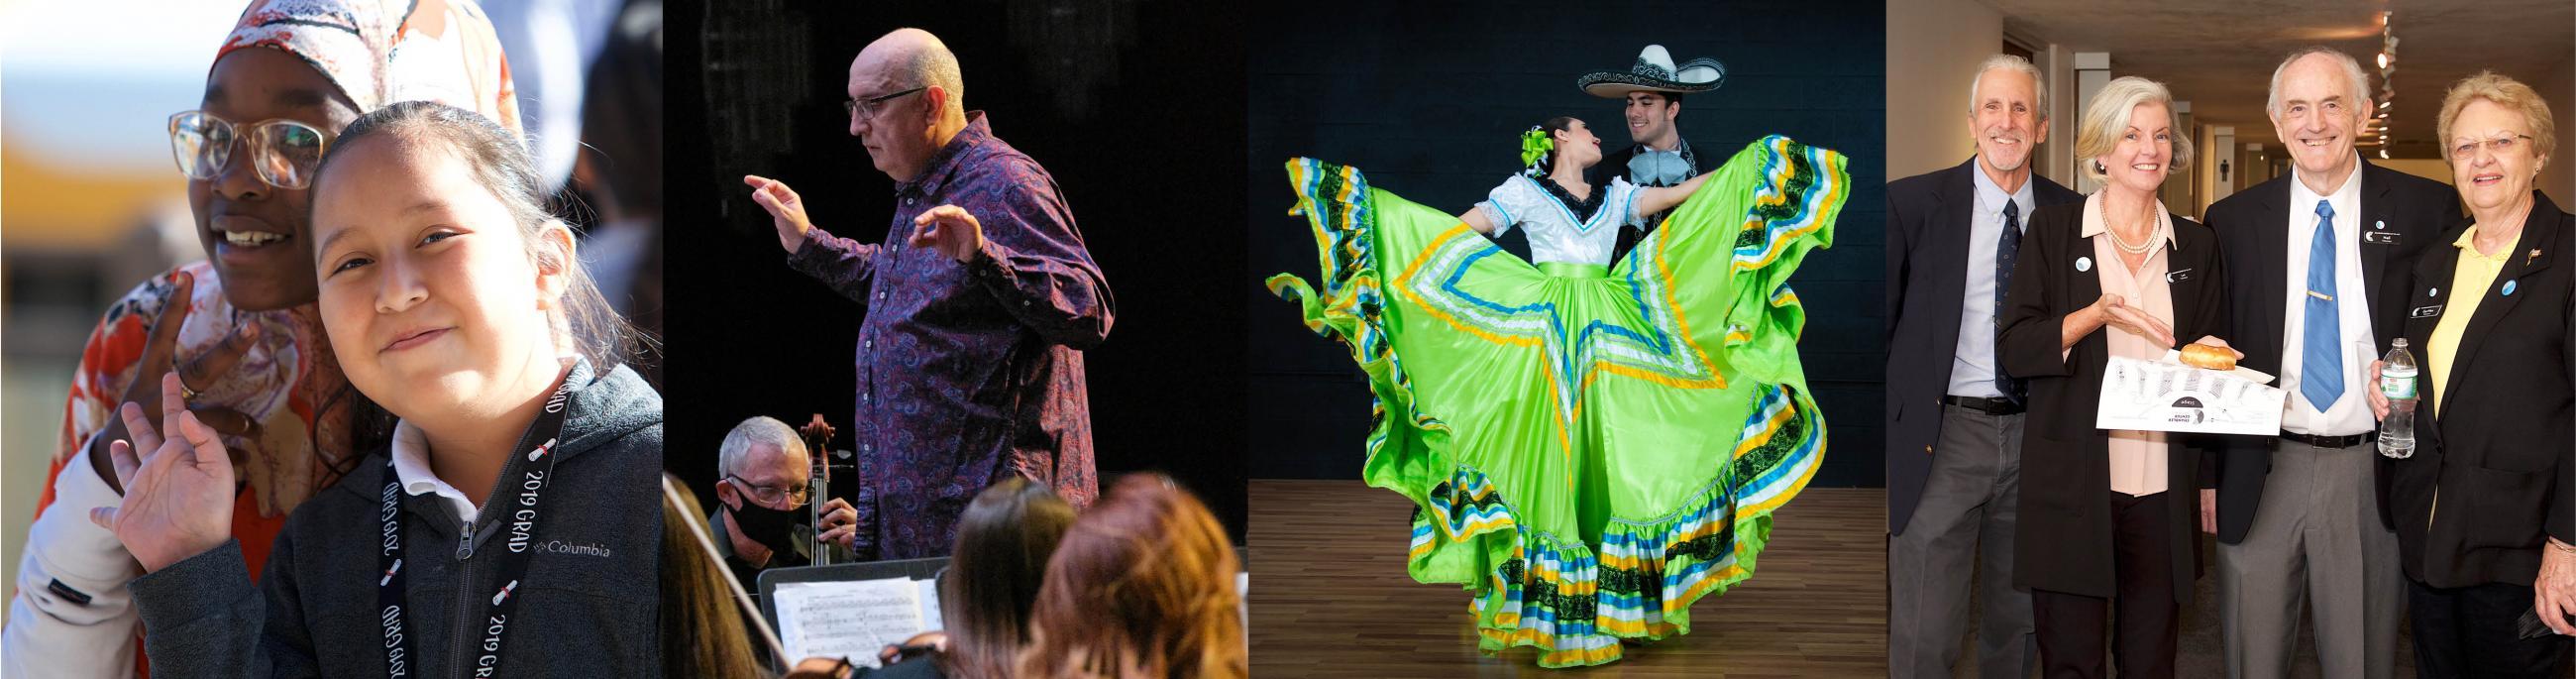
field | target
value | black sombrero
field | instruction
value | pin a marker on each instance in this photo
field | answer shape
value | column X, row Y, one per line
column 1654, row 72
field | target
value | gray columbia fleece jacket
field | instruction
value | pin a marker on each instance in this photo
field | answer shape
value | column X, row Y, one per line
column 592, row 590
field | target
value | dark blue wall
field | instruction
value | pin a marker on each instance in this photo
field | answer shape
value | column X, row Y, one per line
column 1428, row 97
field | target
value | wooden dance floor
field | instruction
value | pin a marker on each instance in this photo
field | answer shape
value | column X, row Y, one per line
column 1330, row 598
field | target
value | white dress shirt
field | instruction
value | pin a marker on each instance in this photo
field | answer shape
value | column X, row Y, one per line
column 2350, row 413
column 1972, row 363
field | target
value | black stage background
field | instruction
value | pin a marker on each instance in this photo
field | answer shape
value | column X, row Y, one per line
column 1427, row 98
column 1135, row 107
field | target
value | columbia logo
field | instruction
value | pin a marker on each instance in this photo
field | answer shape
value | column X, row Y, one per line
column 505, row 592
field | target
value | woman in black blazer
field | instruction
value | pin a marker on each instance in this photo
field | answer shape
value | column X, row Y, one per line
column 2084, row 541
column 2485, row 508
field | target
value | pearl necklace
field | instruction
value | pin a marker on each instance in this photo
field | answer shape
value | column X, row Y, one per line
column 2139, row 249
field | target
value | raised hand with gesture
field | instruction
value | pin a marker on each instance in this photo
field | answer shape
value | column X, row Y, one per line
column 786, row 210
column 949, row 230
column 178, row 493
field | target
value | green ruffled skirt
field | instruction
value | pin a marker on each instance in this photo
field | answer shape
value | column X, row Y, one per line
column 1591, row 448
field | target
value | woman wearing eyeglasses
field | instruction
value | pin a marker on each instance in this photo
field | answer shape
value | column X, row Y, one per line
column 240, row 328
column 2485, row 508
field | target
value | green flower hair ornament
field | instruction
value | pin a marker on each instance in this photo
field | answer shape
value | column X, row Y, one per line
column 1535, row 144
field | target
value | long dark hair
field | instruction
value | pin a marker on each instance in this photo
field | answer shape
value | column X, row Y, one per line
column 1003, row 542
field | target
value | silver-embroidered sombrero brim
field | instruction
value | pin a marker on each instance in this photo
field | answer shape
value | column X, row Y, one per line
column 1654, row 72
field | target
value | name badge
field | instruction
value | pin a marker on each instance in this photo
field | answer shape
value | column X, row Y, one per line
column 2379, row 237
column 2178, row 276
column 2425, row 311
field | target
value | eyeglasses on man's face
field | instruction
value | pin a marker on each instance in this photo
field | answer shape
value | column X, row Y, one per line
column 867, row 108
column 770, row 495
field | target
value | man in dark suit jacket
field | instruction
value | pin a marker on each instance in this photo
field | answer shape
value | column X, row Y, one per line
column 1953, row 420
column 1652, row 92
column 2298, row 516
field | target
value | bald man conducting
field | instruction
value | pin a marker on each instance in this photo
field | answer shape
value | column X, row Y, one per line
column 977, row 306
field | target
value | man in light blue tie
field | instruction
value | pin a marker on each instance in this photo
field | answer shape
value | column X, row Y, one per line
column 2318, row 263
column 1651, row 92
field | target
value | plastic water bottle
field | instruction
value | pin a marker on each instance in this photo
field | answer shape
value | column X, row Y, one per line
column 2397, row 382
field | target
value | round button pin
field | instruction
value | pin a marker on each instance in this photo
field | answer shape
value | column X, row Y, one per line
column 2436, row 292
column 2083, row 264
column 2508, row 288
column 2379, row 225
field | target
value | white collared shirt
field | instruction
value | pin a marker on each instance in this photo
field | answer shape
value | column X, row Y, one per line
column 411, row 466
column 2350, row 413
column 1972, row 362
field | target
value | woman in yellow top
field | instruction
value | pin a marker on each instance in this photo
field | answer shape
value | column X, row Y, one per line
column 2486, row 507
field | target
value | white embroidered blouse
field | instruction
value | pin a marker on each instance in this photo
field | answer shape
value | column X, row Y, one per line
column 1557, row 232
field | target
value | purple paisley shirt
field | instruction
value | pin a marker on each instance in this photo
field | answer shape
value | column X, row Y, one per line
column 968, row 371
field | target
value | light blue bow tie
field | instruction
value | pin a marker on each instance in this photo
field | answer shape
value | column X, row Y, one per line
column 1659, row 168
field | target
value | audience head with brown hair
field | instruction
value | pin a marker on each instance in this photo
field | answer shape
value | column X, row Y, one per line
column 994, row 572
column 1142, row 586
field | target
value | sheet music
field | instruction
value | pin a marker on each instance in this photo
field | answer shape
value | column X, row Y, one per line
column 847, row 619
column 2157, row 396
column 930, row 604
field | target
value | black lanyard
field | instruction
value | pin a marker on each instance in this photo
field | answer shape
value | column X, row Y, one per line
column 535, row 472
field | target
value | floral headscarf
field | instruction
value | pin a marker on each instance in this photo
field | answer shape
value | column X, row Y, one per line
column 384, row 51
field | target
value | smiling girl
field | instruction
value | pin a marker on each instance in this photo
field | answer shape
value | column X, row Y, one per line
column 240, row 328
column 522, row 468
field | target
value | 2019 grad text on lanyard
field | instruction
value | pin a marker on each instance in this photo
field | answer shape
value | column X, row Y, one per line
column 535, row 469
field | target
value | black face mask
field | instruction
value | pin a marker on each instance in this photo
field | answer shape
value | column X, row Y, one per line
column 772, row 528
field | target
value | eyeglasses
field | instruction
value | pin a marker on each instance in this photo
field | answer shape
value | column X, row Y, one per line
column 284, row 151
column 864, row 109
column 769, row 495
column 2497, row 146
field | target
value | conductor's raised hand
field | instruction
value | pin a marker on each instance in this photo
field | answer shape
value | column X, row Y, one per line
column 950, row 230
column 178, row 493
column 786, row 210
